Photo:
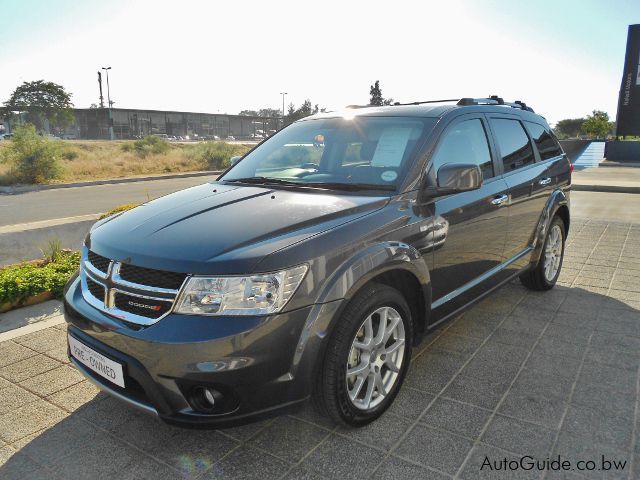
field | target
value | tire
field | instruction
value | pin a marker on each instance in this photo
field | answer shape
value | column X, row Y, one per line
column 355, row 345
column 538, row 278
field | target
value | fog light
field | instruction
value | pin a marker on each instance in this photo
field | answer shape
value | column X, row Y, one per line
column 205, row 399
column 209, row 396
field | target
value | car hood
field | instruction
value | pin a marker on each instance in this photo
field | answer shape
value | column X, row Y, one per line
column 216, row 228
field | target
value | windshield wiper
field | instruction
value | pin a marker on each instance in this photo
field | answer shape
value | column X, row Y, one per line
column 351, row 186
column 263, row 181
column 320, row 185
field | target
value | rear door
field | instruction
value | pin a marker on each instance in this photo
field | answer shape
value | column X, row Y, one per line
column 471, row 226
column 550, row 155
column 527, row 183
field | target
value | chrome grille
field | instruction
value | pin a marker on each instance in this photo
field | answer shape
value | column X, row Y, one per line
column 95, row 289
column 151, row 277
column 134, row 294
column 98, row 261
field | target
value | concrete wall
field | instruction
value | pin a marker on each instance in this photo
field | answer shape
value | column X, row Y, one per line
column 573, row 148
column 622, row 151
column 16, row 246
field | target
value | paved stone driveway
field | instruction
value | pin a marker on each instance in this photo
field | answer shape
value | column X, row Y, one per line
column 519, row 374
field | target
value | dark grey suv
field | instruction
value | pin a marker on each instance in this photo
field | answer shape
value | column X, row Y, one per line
column 312, row 265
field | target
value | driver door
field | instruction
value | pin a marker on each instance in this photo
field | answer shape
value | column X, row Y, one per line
column 473, row 224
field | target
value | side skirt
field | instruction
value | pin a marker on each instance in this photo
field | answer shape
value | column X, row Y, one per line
column 478, row 281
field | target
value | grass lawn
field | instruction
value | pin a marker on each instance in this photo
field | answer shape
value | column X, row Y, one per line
column 100, row 159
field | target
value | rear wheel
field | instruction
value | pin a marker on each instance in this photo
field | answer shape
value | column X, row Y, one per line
column 545, row 274
column 367, row 357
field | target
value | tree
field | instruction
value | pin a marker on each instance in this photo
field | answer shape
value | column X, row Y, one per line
column 270, row 112
column 39, row 101
column 376, row 94
column 304, row 110
column 263, row 112
column 597, row 124
column 569, row 128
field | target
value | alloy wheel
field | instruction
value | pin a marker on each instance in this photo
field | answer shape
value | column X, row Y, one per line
column 553, row 253
column 375, row 358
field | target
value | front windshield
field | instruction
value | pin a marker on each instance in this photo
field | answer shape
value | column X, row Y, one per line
column 370, row 152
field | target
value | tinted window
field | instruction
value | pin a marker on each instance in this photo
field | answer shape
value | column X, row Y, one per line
column 465, row 142
column 513, row 142
column 547, row 145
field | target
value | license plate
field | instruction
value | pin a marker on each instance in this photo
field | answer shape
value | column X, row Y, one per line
column 98, row 363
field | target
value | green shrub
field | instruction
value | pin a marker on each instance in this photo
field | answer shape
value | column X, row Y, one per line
column 52, row 251
column 69, row 152
column 149, row 145
column 118, row 209
column 216, row 155
column 19, row 282
column 31, row 157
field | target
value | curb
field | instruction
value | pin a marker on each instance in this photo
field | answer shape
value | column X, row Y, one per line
column 112, row 181
column 610, row 163
column 31, row 328
column 41, row 224
column 605, row 188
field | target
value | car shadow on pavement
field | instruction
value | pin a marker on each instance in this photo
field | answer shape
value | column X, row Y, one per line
column 521, row 373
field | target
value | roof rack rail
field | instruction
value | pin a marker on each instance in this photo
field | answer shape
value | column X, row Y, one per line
column 464, row 102
column 427, row 101
column 494, row 100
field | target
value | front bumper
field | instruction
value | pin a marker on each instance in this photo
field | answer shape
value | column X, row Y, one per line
column 262, row 365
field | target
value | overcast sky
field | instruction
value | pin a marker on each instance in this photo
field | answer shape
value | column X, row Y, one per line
column 563, row 57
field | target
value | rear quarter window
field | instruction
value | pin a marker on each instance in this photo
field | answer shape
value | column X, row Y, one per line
column 545, row 141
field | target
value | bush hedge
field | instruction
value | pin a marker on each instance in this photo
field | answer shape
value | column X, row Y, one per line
column 24, row 280
column 31, row 157
column 216, row 155
column 118, row 209
column 149, row 145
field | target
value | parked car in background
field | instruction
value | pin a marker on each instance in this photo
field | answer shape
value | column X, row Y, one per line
column 231, row 138
column 6, row 136
column 313, row 265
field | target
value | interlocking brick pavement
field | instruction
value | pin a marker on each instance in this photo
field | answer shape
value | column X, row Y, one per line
column 522, row 373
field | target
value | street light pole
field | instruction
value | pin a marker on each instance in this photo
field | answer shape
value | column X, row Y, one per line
column 283, row 94
column 111, row 135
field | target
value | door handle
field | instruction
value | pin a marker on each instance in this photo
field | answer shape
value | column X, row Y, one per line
column 500, row 199
column 544, row 181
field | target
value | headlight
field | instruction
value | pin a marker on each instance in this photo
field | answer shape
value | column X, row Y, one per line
column 252, row 295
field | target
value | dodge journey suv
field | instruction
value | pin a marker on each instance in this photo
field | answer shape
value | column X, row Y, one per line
column 310, row 267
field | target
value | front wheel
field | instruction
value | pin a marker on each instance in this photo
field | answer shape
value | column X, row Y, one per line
column 367, row 356
column 545, row 274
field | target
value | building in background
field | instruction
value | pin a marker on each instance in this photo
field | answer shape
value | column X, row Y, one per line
column 93, row 123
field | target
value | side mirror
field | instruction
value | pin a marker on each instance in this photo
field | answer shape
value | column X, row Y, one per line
column 454, row 178
column 234, row 160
